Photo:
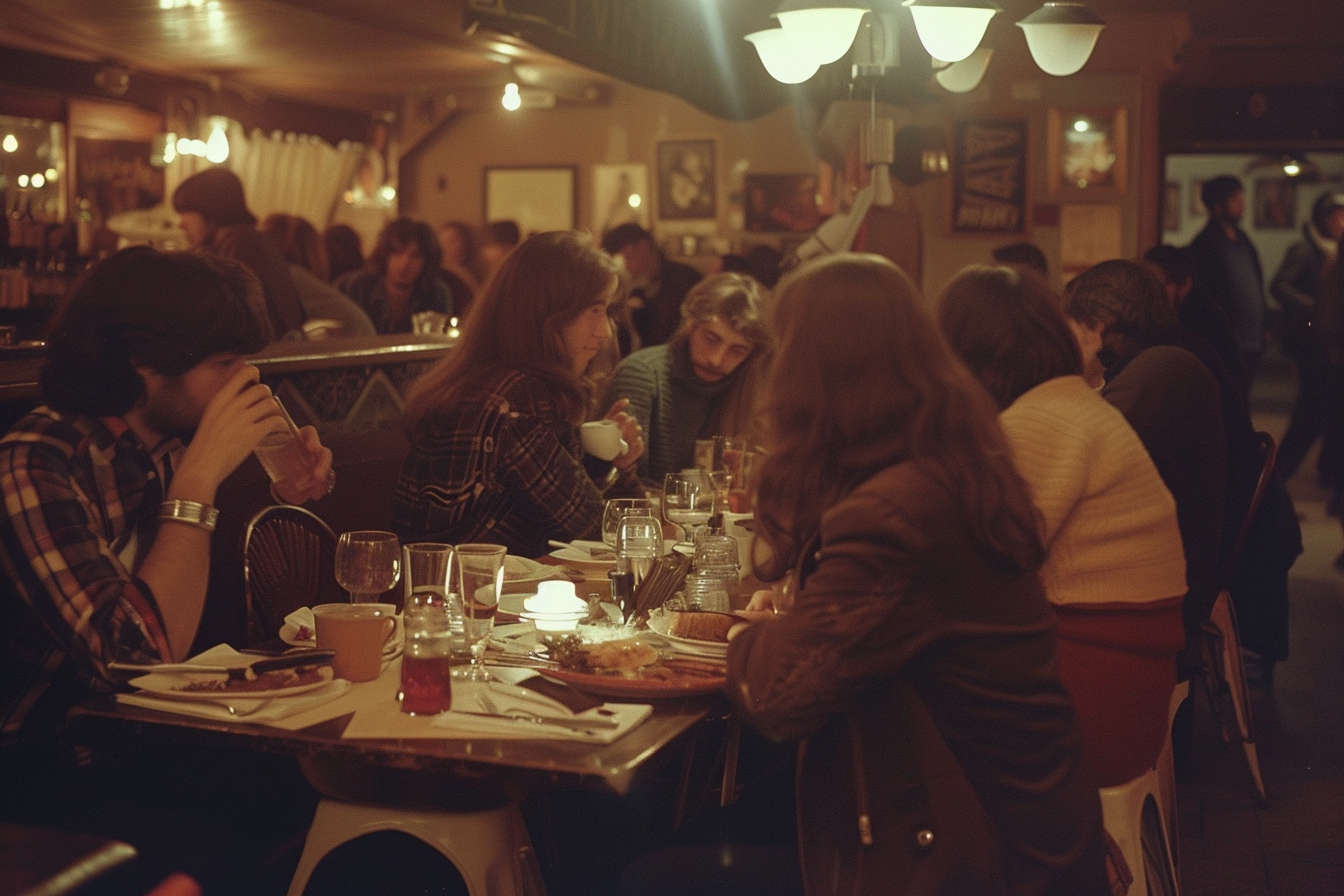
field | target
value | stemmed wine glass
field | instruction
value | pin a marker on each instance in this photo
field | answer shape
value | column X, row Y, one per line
column 480, row 571
column 616, row 508
column 367, row 564
column 688, row 500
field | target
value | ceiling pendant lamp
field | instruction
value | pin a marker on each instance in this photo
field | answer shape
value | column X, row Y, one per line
column 782, row 55
column 1061, row 36
column 825, row 27
column 966, row 75
column 950, row 30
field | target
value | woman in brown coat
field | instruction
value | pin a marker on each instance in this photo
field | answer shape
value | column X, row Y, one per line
column 917, row 665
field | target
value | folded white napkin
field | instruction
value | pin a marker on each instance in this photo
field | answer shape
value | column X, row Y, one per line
column 380, row 716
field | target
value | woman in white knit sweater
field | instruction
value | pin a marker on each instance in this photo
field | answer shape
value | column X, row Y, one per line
column 1115, row 569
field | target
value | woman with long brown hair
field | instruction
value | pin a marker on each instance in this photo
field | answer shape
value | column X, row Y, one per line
column 918, row 661
column 494, row 427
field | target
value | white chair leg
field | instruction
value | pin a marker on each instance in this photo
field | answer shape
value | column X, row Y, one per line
column 489, row 848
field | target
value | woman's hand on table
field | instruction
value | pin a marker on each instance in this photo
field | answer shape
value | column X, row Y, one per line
column 631, row 431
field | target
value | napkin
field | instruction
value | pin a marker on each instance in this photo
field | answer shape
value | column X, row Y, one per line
column 381, row 717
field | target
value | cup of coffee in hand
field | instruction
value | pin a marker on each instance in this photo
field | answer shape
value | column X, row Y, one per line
column 602, row 439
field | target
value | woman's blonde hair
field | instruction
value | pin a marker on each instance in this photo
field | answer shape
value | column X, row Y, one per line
column 515, row 324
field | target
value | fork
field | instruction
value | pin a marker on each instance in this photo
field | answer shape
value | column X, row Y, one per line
column 247, row 712
column 586, row 726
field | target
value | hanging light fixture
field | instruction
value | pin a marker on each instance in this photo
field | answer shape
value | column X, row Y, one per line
column 825, row 27
column 951, row 29
column 1061, row 36
column 784, row 57
column 966, row 75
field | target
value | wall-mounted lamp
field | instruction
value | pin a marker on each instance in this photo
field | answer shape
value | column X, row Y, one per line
column 1060, row 35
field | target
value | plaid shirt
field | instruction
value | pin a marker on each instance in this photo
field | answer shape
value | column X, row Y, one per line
column 504, row 468
column 81, row 510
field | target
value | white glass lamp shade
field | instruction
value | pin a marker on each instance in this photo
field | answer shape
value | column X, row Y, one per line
column 1061, row 36
column 783, row 58
column 826, row 31
column 950, row 31
column 965, row 76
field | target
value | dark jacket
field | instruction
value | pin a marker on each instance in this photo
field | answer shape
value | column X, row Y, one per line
column 245, row 244
column 661, row 314
column 1297, row 287
column 940, row 752
column 1213, row 277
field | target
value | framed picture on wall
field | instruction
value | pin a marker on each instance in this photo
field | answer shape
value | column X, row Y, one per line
column 781, row 203
column 1275, row 203
column 620, row 196
column 1086, row 152
column 537, row 198
column 989, row 177
column 687, row 183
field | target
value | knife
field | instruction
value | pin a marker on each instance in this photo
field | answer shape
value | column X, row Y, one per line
column 235, row 673
column 573, row 724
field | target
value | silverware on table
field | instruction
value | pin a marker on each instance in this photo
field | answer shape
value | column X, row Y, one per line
column 493, row 710
column 235, row 673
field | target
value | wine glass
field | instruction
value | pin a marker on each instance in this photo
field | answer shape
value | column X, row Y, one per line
column 367, row 564
column 639, row 542
column 688, row 500
column 616, row 508
column 480, row 572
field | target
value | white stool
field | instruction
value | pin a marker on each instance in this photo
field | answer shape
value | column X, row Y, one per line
column 490, row 848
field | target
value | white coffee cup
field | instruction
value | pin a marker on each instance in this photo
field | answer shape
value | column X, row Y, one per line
column 602, row 439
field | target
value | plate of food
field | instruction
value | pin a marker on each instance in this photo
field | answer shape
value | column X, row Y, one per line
column 215, row 686
column 632, row 668
column 699, row 631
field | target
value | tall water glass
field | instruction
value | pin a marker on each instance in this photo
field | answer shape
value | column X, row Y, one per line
column 480, row 576
column 639, row 542
column 616, row 508
column 688, row 500
column 367, row 564
column 427, row 625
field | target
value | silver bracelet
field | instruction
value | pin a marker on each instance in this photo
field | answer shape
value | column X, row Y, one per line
column 193, row 513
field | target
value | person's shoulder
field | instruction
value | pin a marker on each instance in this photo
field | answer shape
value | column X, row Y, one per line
column 644, row 359
column 55, row 431
column 903, row 504
column 680, row 272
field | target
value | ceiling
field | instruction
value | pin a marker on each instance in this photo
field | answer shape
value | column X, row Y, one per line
column 368, row 55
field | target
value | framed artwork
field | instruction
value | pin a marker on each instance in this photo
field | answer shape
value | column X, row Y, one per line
column 782, row 203
column 1086, row 152
column 1275, row 203
column 620, row 196
column 989, row 177
column 687, row 185
column 537, row 198
column 1171, row 205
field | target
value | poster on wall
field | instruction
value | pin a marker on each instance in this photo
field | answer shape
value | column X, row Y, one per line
column 989, row 177
column 686, row 180
column 537, row 199
column 620, row 196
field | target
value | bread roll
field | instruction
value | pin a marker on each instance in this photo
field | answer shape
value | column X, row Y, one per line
column 702, row 625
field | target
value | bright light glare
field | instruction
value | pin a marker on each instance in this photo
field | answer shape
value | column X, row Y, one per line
column 511, row 100
column 635, row 200
column 387, row 192
column 1292, row 169
column 38, row 181
column 23, row 180
column 1081, row 125
column 217, row 147
column 10, row 143
column 52, row 174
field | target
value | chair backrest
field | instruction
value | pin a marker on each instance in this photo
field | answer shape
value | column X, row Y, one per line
column 289, row 561
column 1268, row 452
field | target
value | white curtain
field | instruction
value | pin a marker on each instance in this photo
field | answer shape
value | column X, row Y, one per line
column 291, row 173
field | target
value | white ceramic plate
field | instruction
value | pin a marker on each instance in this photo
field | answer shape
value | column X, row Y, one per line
column 168, row 684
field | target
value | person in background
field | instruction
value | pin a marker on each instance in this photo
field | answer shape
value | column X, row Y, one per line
column 345, row 253
column 1122, row 320
column 704, row 380
column 212, row 211
column 108, row 489
column 1198, row 314
column 494, row 427
column 401, row 278
column 1297, row 287
column 1114, row 568
column 1227, row 268
column 657, row 286
column 918, row 661
column 498, row 241
column 325, row 305
column 1332, row 322
column 1023, row 256
column 457, row 241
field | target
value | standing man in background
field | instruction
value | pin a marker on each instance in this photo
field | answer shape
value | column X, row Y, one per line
column 660, row 285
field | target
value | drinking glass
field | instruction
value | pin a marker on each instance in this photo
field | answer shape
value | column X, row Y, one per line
column 480, row 576
column 616, row 508
column 639, row 542
column 688, row 500
column 367, row 564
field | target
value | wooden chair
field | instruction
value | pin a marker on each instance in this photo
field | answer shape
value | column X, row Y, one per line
column 289, row 561
column 1224, row 674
